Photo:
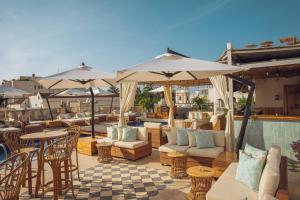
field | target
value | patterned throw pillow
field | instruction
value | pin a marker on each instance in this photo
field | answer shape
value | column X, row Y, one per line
column 249, row 170
column 112, row 132
column 129, row 134
column 204, row 140
column 182, row 137
column 255, row 152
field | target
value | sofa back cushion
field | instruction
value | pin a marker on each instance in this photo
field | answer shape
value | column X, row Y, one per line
column 172, row 137
column 182, row 137
column 142, row 134
column 255, row 152
column 271, row 174
column 249, row 170
column 129, row 134
column 152, row 125
column 112, row 132
column 204, row 140
column 192, row 139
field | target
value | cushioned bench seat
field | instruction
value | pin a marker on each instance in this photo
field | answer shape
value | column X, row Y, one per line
column 196, row 156
column 208, row 153
column 167, row 148
column 130, row 145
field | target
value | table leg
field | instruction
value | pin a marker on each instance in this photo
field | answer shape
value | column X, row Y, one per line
column 39, row 168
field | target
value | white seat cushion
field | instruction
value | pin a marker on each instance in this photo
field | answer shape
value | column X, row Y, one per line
column 130, row 145
column 167, row 148
column 106, row 139
column 207, row 152
column 142, row 134
column 227, row 188
column 231, row 170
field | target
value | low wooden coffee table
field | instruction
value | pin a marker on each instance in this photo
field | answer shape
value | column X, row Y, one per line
column 201, row 180
column 178, row 167
column 104, row 152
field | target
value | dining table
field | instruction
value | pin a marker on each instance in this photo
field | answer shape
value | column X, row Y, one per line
column 43, row 137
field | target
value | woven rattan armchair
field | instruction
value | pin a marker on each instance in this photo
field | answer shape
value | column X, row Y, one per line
column 15, row 146
column 55, row 155
column 75, row 131
column 12, row 175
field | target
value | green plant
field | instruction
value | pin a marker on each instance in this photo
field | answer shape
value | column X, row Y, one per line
column 146, row 99
column 241, row 101
column 200, row 103
column 113, row 89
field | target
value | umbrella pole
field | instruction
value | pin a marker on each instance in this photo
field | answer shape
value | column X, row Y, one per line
column 51, row 114
column 247, row 111
column 93, row 113
column 111, row 103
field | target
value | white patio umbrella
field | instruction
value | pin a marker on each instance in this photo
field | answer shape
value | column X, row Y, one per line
column 10, row 92
column 80, row 77
column 157, row 90
column 172, row 67
column 71, row 92
column 100, row 92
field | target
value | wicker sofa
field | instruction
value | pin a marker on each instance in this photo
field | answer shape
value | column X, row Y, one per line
column 158, row 137
column 273, row 182
column 195, row 156
column 131, row 150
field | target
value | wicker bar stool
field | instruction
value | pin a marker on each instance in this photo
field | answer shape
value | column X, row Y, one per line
column 16, row 145
column 55, row 155
column 75, row 131
column 12, row 175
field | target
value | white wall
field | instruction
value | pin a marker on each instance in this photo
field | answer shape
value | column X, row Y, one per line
column 266, row 89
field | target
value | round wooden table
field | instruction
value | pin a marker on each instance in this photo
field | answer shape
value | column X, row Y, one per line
column 178, row 166
column 43, row 137
column 104, row 152
column 201, row 180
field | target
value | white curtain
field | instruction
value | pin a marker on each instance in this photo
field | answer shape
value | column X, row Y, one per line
column 220, row 84
column 170, row 104
column 127, row 96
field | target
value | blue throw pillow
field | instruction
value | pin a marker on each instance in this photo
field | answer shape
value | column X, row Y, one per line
column 113, row 133
column 129, row 134
column 182, row 137
column 255, row 152
column 249, row 170
column 204, row 140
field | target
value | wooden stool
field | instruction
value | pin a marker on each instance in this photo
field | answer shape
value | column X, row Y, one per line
column 104, row 152
column 201, row 180
column 178, row 167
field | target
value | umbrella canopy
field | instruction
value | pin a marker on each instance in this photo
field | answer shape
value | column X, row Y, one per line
column 100, row 92
column 71, row 92
column 174, row 67
column 157, row 90
column 10, row 92
column 79, row 77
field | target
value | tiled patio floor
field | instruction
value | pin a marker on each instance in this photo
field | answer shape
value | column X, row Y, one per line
column 175, row 190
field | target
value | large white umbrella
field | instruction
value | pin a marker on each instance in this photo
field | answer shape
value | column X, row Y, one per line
column 157, row 90
column 100, row 92
column 10, row 92
column 79, row 77
column 71, row 92
column 173, row 68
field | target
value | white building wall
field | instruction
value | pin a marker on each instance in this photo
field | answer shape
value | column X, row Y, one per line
column 266, row 89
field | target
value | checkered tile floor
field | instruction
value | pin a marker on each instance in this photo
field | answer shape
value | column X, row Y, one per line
column 118, row 180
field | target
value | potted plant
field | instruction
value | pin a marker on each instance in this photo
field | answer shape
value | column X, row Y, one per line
column 296, row 148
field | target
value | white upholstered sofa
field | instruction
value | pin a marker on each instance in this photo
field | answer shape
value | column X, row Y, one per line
column 273, row 182
column 130, row 150
column 195, row 156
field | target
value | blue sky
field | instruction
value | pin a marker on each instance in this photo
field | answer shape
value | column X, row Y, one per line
column 44, row 37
